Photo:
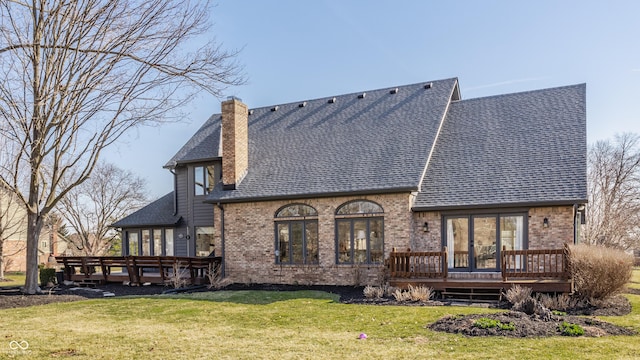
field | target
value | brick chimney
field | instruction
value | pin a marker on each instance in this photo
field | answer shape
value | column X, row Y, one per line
column 235, row 142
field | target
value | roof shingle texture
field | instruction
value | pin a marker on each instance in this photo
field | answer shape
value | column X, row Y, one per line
column 521, row 148
column 375, row 143
column 157, row 213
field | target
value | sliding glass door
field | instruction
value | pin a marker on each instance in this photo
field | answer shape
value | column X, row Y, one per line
column 474, row 241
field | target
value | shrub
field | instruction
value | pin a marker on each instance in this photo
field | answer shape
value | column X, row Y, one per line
column 401, row 295
column 47, row 276
column 486, row 323
column 518, row 294
column 373, row 292
column 599, row 272
column 180, row 276
column 420, row 293
column 568, row 329
column 558, row 302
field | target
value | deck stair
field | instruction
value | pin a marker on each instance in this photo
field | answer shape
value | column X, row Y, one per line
column 89, row 283
column 475, row 294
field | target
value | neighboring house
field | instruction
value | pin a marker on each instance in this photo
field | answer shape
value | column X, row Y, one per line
column 13, row 235
column 322, row 191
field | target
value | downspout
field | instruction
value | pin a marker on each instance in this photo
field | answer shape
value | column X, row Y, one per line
column 222, row 264
column 175, row 191
column 575, row 225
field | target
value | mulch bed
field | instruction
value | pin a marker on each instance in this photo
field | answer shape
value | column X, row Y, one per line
column 525, row 326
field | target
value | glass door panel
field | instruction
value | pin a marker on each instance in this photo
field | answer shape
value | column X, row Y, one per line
column 146, row 243
column 344, row 242
column 157, row 242
column 458, row 243
column 297, row 250
column 376, row 245
column 133, row 243
column 484, row 243
column 360, row 241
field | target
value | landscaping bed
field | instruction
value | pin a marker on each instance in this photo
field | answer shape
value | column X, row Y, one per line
column 523, row 325
column 519, row 324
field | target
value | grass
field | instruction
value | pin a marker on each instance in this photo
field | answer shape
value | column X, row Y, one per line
column 13, row 279
column 274, row 325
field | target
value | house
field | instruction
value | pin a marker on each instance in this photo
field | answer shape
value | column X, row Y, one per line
column 323, row 191
column 13, row 235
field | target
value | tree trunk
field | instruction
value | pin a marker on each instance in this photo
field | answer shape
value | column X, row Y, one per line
column 1, row 259
column 33, row 234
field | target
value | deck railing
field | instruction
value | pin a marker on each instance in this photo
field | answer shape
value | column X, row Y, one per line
column 521, row 264
column 538, row 263
column 412, row 264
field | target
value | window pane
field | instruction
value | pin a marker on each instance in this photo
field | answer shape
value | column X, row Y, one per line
column 283, row 242
column 344, row 242
column 157, row 242
column 198, row 179
column 458, row 243
column 146, row 243
column 312, row 242
column 168, row 239
column 210, row 181
column 359, row 207
column 376, row 241
column 133, row 243
column 360, row 241
column 297, row 210
column 484, row 238
column 296, row 242
column 204, row 241
column 512, row 232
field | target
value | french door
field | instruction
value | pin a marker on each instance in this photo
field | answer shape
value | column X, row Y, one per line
column 474, row 241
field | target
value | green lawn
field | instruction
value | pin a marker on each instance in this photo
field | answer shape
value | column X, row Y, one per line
column 13, row 279
column 272, row 325
column 269, row 325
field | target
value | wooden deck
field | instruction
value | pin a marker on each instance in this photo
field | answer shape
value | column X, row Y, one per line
column 138, row 269
column 543, row 270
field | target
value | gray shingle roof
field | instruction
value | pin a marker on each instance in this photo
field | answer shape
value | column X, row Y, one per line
column 514, row 149
column 158, row 213
column 203, row 145
column 376, row 143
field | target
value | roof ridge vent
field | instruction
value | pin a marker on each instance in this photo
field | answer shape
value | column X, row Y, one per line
column 361, row 96
column 332, row 100
column 428, row 85
column 393, row 91
column 275, row 108
column 302, row 104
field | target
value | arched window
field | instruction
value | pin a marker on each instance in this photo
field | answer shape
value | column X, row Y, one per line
column 296, row 234
column 360, row 233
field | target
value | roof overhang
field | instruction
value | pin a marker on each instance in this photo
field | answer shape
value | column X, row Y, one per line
column 194, row 161
column 500, row 205
column 407, row 190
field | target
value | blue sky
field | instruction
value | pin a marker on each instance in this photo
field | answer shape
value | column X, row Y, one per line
column 297, row 50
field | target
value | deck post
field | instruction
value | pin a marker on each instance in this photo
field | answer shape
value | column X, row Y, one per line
column 503, row 263
column 445, row 263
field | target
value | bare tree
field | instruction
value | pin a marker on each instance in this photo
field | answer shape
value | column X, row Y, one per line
column 13, row 222
column 89, row 208
column 613, row 212
column 75, row 75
